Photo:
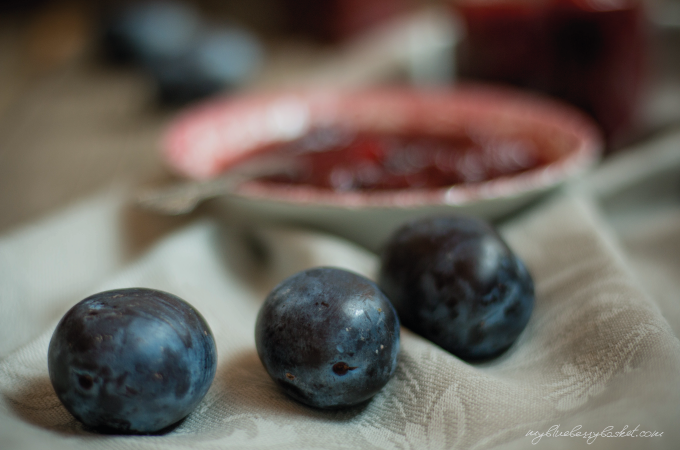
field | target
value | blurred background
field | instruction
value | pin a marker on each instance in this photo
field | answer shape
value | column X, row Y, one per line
column 87, row 88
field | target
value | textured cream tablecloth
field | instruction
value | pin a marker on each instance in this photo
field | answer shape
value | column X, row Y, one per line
column 601, row 348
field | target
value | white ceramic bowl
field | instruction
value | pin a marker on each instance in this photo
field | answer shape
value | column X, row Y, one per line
column 209, row 139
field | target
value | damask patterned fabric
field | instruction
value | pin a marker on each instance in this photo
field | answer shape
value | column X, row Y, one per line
column 601, row 349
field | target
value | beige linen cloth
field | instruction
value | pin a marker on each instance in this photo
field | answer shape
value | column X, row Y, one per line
column 601, row 349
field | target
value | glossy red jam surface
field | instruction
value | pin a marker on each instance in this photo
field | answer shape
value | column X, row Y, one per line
column 591, row 53
column 343, row 161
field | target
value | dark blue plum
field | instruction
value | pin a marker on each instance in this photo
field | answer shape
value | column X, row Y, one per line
column 218, row 59
column 187, row 59
column 328, row 337
column 180, row 81
column 151, row 31
column 131, row 361
column 454, row 281
column 228, row 54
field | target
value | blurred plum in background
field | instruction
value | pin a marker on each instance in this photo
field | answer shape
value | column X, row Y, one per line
column 188, row 58
column 219, row 59
column 151, row 31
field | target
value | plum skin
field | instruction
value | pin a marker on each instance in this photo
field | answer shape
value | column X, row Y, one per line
column 454, row 281
column 328, row 337
column 131, row 361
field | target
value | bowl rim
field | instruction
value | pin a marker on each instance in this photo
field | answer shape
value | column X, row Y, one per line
column 481, row 99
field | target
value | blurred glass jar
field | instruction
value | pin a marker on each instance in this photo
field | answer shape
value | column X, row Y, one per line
column 337, row 20
column 592, row 53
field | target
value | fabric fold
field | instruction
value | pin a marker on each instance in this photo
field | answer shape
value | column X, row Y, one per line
column 596, row 350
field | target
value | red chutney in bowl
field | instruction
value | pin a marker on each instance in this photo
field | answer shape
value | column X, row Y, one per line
column 345, row 161
column 388, row 147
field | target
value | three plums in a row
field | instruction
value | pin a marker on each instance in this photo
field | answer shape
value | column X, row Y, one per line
column 139, row 360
